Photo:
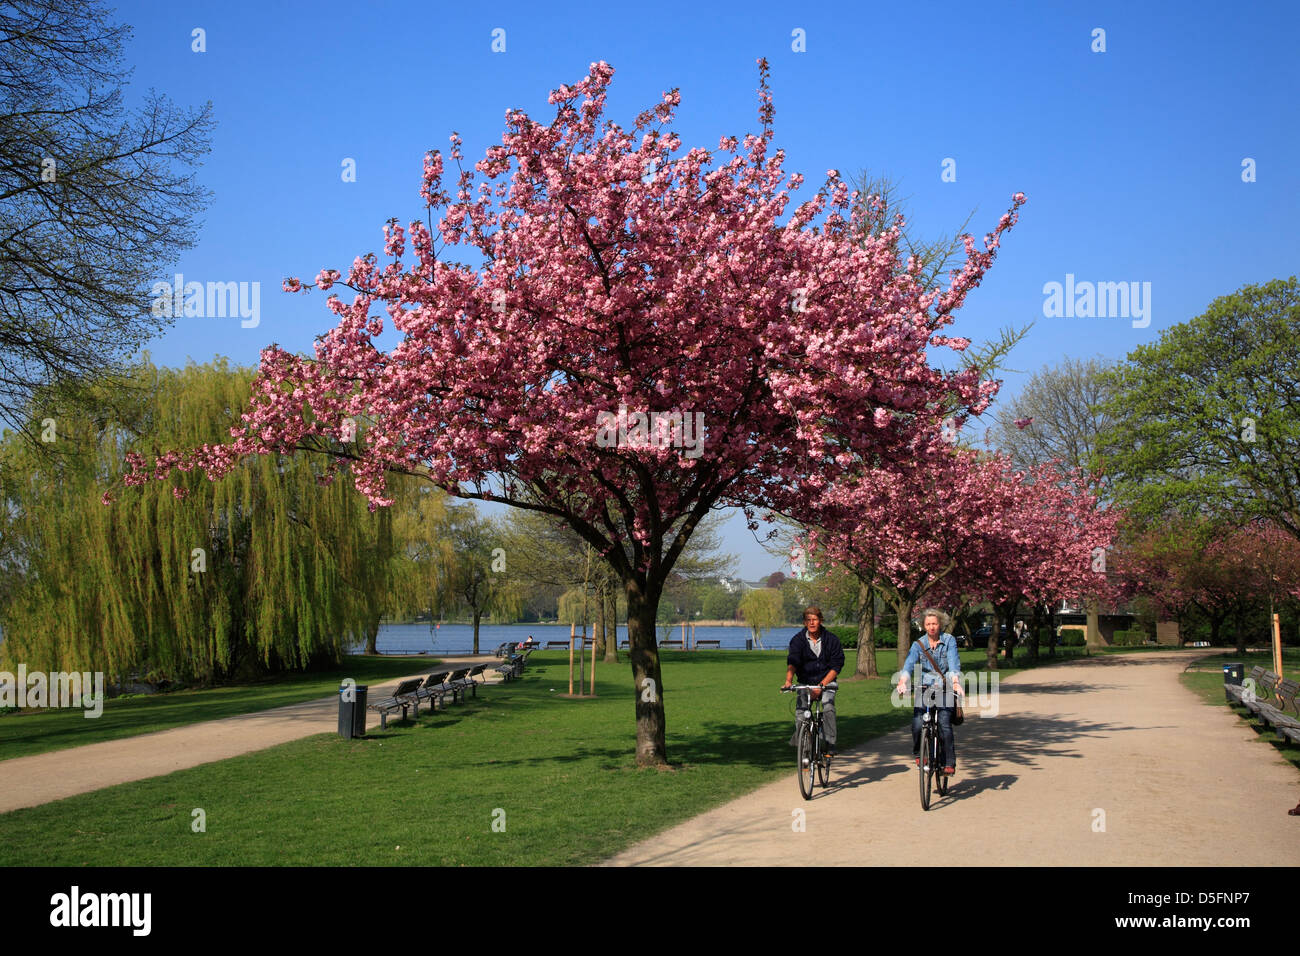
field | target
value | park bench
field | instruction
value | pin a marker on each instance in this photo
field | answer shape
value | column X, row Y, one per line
column 503, row 650
column 1263, row 691
column 476, row 671
column 514, row 665
column 1233, row 692
column 436, row 688
column 1275, row 715
column 561, row 645
column 431, row 690
column 678, row 643
column 709, row 643
column 403, row 699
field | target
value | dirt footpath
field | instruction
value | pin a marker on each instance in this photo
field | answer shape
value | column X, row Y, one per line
column 1108, row 761
column 29, row 781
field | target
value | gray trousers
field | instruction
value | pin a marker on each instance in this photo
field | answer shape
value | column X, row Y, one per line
column 828, row 716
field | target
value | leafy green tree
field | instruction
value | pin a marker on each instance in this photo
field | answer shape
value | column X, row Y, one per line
column 761, row 610
column 473, row 573
column 720, row 604
column 1205, row 418
column 265, row 572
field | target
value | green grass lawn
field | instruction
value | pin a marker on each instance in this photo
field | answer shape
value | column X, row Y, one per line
column 561, row 770
column 1204, row 678
column 37, row 731
column 560, row 773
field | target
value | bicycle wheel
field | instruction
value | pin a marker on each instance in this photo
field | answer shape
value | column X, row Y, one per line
column 941, row 761
column 927, row 767
column 807, row 761
column 823, row 764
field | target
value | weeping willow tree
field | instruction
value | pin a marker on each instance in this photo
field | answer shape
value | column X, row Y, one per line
column 271, row 569
column 421, row 525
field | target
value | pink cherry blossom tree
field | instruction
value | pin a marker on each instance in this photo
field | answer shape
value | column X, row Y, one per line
column 620, row 277
column 907, row 527
column 1054, row 543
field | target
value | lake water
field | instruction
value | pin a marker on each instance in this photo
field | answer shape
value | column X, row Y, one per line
column 459, row 638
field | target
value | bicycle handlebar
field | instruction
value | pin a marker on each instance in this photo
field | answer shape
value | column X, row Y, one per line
column 793, row 687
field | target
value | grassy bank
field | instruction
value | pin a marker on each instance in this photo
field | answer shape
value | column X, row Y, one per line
column 1205, row 679
column 560, row 771
column 37, row 731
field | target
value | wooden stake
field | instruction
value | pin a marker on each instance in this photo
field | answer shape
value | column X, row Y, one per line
column 1277, row 646
column 593, row 663
column 572, row 631
column 582, row 659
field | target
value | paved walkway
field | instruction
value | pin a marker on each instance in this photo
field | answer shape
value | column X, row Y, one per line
column 1112, row 739
column 29, row 781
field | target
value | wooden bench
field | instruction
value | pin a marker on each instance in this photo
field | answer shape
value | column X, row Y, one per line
column 1253, row 702
column 1275, row 715
column 710, row 643
column 1272, row 713
column 1233, row 692
column 403, row 699
column 681, row 645
column 562, row 645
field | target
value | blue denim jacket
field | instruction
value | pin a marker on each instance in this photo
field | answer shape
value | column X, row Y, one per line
column 944, row 654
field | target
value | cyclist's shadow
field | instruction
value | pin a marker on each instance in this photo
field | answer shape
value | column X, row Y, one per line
column 876, row 771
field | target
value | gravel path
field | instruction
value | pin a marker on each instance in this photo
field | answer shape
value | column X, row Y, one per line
column 1113, row 740
column 40, row 778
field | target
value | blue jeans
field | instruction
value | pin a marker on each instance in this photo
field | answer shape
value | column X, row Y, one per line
column 945, row 730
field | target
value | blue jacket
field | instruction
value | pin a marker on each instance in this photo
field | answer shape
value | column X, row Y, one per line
column 810, row 668
column 944, row 654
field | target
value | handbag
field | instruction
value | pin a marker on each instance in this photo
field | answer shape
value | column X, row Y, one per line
column 957, row 715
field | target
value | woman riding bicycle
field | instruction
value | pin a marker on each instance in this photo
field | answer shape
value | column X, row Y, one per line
column 942, row 648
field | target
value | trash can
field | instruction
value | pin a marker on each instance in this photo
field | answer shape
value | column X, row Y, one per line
column 1232, row 673
column 352, row 712
column 749, row 643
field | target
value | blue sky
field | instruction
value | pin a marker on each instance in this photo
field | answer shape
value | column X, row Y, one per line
column 1131, row 158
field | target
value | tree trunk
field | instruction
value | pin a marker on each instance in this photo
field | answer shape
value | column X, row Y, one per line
column 647, row 678
column 1094, row 638
column 611, row 625
column 598, row 634
column 866, row 666
column 1215, row 622
column 1036, row 623
column 1009, row 617
column 1241, row 632
column 372, row 636
column 477, row 615
column 992, row 650
column 902, row 607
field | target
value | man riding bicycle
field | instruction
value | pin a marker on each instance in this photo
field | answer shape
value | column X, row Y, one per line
column 815, row 657
column 942, row 650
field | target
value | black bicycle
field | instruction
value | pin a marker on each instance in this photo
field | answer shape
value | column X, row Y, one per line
column 813, row 760
column 933, row 758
